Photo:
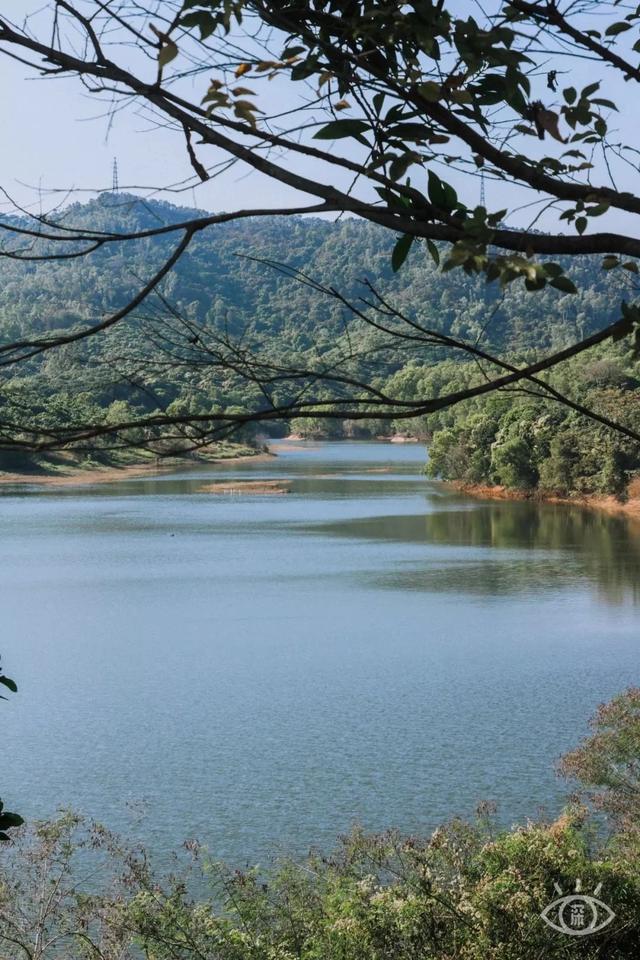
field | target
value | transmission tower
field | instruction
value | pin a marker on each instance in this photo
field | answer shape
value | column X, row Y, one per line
column 115, row 186
column 483, row 199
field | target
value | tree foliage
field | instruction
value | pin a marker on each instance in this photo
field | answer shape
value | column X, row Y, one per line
column 520, row 442
column 386, row 111
column 607, row 764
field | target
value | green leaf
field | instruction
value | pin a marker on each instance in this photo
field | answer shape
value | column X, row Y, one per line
column 589, row 90
column 605, row 103
column 291, row 52
column 581, row 224
column 205, row 22
column 401, row 251
column 610, row 262
column 435, row 253
column 553, row 269
column 435, row 189
column 563, row 284
column 9, row 820
column 570, row 94
column 378, row 102
column 440, row 193
column 430, row 90
column 598, row 210
column 600, row 127
column 9, row 683
column 617, row 28
column 168, row 52
column 409, row 131
column 338, row 129
column 399, row 166
column 461, row 96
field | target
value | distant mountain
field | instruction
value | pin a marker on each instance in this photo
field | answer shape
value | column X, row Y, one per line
column 215, row 281
column 223, row 283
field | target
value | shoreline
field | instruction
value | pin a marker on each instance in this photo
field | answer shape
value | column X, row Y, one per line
column 87, row 476
column 601, row 502
column 395, row 438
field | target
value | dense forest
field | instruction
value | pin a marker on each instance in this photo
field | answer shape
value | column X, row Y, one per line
column 229, row 283
column 524, row 442
column 217, row 281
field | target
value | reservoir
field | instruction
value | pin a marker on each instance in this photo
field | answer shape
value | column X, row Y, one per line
column 262, row 671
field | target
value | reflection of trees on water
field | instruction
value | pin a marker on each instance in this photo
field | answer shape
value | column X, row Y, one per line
column 546, row 547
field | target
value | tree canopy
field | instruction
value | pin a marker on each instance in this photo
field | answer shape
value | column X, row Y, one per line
column 391, row 112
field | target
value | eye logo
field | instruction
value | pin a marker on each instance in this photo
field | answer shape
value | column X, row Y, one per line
column 577, row 914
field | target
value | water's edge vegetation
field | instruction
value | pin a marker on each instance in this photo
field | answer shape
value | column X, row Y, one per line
column 629, row 506
column 61, row 469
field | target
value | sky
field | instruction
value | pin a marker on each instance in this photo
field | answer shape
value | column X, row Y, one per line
column 58, row 137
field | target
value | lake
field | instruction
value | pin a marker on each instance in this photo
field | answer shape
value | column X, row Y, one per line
column 262, row 672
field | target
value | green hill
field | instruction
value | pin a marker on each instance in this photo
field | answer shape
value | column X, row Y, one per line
column 223, row 286
column 216, row 283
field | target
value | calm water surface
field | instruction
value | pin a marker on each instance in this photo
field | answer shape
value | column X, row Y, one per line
column 263, row 671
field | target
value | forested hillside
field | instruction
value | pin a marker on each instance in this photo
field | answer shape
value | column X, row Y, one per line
column 525, row 442
column 224, row 285
column 216, row 282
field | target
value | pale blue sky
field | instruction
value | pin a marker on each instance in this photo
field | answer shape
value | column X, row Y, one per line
column 57, row 135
